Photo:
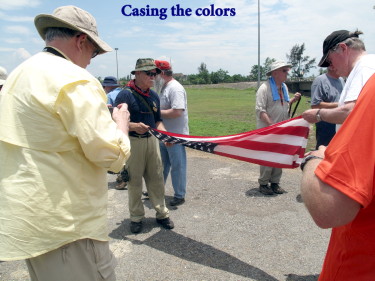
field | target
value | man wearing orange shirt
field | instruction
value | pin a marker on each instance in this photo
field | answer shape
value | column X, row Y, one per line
column 338, row 188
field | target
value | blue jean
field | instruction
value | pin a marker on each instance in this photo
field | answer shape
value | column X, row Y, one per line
column 174, row 161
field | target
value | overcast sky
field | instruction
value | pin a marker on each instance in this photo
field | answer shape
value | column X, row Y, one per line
column 229, row 43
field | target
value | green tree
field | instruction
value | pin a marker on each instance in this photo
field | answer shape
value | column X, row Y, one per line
column 220, row 76
column 239, row 78
column 267, row 65
column 301, row 65
column 204, row 74
column 263, row 70
column 195, row 79
column 322, row 70
column 254, row 72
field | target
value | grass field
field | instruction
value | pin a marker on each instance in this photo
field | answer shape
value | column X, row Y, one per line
column 223, row 111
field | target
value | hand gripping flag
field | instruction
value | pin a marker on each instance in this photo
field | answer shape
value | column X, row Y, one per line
column 281, row 145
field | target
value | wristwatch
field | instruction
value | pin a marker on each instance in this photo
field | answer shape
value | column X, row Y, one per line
column 307, row 159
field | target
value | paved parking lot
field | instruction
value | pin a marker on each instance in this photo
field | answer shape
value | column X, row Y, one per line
column 226, row 230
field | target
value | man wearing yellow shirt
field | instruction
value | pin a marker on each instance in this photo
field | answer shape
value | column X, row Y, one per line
column 58, row 141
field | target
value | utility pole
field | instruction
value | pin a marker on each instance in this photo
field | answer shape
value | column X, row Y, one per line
column 258, row 45
column 116, row 49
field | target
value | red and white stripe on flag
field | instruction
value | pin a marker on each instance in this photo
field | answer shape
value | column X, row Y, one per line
column 281, row 145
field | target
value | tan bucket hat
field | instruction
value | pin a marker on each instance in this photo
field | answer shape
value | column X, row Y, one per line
column 276, row 65
column 74, row 18
column 145, row 64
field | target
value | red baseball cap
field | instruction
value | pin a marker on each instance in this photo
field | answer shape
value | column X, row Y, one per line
column 163, row 65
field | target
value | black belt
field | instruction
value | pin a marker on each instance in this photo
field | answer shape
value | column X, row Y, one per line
column 147, row 135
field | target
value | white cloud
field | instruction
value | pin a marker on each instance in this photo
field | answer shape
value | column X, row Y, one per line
column 13, row 40
column 17, row 29
column 21, row 54
column 18, row 4
column 19, row 19
column 6, row 49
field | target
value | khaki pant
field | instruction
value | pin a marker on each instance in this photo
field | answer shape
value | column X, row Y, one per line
column 145, row 163
column 269, row 174
column 83, row 260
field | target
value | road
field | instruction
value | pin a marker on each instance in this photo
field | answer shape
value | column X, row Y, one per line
column 226, row 230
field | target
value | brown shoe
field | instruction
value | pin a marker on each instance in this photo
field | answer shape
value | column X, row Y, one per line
column 265, row 189
column 277, row 189
column 121, row 186
column 119, row 178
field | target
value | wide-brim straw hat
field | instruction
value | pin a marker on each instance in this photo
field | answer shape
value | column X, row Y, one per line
column 74, row 18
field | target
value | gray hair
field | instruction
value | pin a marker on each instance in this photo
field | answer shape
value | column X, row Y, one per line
column 354, row 42
column 168, row 72
column 60, row 32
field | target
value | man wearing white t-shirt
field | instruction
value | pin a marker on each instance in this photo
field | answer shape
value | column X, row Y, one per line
column 173, row 105
column 347, row 53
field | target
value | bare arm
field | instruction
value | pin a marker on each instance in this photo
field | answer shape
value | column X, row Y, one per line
column 171, row 113
column 160, row 126
column 334, row 115
column 265, row 118
column 295, row 98
column 324, row 104
column 327, row 206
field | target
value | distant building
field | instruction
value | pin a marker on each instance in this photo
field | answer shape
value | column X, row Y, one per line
column 180, row 76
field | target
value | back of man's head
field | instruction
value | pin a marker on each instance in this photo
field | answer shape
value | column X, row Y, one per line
column 341, row 36
column 70, row 20
column 165, row 67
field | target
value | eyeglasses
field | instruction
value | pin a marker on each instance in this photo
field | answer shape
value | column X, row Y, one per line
column 150, row 74
column 332, row 50
column 96, row 48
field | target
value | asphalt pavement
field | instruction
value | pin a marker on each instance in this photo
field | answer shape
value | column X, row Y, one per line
column 226, row 230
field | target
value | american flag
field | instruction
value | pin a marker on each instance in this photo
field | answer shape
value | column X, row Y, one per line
column 281, row 145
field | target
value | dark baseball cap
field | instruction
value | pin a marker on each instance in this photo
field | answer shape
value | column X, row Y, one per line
column 331, row 41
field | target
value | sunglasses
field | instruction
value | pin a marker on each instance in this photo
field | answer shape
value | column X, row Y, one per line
column 150, row 74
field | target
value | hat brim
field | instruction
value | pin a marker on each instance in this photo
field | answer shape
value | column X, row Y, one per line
column 323, row 62
column 285, row 65
column 44, row 21
column 110, row 85
column 146, row 68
